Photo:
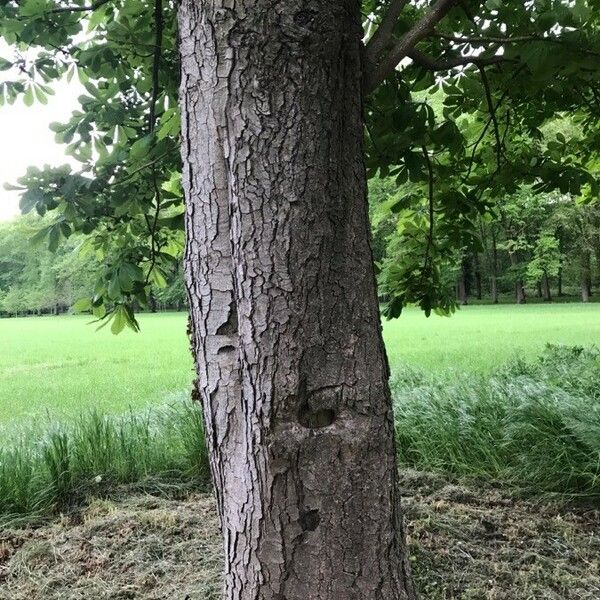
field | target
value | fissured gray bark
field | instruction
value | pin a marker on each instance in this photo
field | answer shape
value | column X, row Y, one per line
column 285, row 327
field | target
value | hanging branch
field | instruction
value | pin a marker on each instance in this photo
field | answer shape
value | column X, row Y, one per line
column 490, row 102
column 431, row 213
column 158, row 34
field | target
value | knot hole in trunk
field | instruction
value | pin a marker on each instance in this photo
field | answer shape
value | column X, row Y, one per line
column 310, row 520
column 315, row 419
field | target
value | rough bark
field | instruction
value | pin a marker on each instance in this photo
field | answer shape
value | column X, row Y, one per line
column 292, row 372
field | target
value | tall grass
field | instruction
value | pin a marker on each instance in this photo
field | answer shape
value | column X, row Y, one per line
column 535, row 425
column 42, row 473
column 531, row 425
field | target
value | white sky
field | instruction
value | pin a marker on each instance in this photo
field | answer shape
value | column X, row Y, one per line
column 26, row 140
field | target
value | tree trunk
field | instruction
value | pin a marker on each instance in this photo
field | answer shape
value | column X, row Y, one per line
column 477, row 274
column 285, row 329
column 538, row 289
column 494, row 269
column 559, row 283
column 519, row 287
column 586, row 276
column 546, row 289
column 462, row 286
column 152, row 302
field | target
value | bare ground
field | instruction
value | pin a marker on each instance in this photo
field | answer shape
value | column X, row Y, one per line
column 465, row 542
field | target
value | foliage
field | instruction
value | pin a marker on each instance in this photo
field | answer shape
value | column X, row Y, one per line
column 34, row 280
column 546, row 259
column 466, row 120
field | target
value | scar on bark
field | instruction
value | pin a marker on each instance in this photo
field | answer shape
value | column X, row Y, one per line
column 230, row 327
column 312, row 418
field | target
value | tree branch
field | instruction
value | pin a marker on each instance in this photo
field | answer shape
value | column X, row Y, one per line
column 158, row 39
column 489, row 39
column 383, row 35
column 445, row 65
column 70, row 9
column 511, row 40
column 490, row 102
column 403, row 46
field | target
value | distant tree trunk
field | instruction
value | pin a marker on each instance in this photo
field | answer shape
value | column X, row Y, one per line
column 547, row 292
column 519, row 287
column 538, row 289
column 285, row 327
column 494, row 269
column 586, row 276
column 477, row 274
column 559, row 282
column 462, row 286
column 152, row 302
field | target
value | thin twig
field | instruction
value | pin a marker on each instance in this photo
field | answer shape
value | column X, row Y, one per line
column 431, row 213
column 490, row 102
column 158, row 34
column 445, row 65
column 71, row 9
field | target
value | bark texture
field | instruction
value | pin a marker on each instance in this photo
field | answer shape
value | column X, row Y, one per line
column 285, row 328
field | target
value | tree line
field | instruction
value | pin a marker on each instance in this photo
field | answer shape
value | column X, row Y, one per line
column 531, row 246
column 37, row 281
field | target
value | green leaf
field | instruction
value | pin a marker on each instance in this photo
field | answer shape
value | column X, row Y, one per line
column 82, row 305
column 28, row 96
column 119, row 321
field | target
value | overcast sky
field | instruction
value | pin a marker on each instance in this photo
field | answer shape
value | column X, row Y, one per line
column 25, row 138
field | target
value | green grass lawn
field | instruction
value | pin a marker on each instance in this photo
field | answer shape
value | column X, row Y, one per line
column 59, row 366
